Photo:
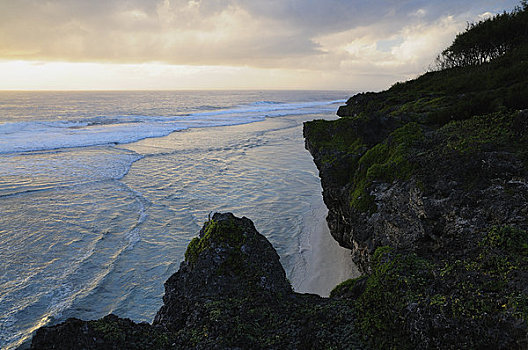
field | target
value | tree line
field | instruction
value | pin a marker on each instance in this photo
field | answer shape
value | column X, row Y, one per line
column 487, row 40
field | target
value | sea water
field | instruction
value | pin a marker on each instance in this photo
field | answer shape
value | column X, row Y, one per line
column 100, row 193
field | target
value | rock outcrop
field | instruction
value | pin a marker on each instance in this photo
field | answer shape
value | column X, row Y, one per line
column 420, row 189
column 230, row 293
column 427, row 184
column 437, row 221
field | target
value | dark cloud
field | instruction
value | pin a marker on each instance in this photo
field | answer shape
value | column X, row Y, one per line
column 213, row 32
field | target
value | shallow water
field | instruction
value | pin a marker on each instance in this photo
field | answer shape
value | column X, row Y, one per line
column 94, row 230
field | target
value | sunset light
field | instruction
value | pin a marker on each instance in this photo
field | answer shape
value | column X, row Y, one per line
column 172, row 44
column 263, row 174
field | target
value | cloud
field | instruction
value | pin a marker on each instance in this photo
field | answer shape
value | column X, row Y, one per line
column 485, row 15
column 184, row 32
column 392, row 37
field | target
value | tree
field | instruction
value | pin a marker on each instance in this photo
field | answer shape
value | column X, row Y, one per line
column 487, row 40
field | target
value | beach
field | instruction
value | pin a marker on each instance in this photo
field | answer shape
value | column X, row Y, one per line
column 93, row 230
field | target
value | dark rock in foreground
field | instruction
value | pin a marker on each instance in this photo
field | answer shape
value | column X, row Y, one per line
column 230, row 292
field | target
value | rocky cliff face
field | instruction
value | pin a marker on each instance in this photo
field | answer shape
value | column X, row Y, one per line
column 230, row 293
column 427, row 184
column 417, row 188
column 436, row 217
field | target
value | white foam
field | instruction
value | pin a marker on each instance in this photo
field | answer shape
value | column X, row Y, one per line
column 102, row 130
column 21, row 173
column 36, row 136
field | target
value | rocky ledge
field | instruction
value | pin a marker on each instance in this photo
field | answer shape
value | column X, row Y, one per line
column 437, row 221
column 231, row 292
column 427, row 184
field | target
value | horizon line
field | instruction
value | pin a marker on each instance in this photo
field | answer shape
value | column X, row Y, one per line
column 167, row 90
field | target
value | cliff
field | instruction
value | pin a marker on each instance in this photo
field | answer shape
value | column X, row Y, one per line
column 230, row 293
column 427, row 184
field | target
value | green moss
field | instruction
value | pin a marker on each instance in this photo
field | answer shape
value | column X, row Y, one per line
column 438, row 299
column 517, row 305
column 386, row 161
column 194, row 248
column 506, row 237
column 338, row 135
column 225, row 232
column 110, row 330
column 482, row 132
column 504, row 251
column 252, row 323
column 417, row 109
column 123, row 333
column 396, row 281
column 198, row 335
column 481, row 290
column 482, row 286
column 361, row 199
column 343, row 287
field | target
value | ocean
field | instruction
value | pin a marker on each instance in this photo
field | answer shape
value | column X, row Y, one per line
column 100, row 193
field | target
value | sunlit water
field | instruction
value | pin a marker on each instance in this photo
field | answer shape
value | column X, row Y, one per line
column 100, row 193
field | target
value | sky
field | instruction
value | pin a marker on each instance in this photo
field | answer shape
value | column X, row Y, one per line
column 226, row 44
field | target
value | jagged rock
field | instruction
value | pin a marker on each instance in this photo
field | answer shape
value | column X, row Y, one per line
column 229, row 260
column 448, row 192
column 230, row 293
column 436, row 217
column 435, row 209
column 110, row 332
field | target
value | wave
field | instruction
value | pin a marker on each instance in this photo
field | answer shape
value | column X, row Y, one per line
column 46, row 287
column 23, row 173
column 31, row 136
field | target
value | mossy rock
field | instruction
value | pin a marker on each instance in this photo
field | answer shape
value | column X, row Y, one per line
column 410, row 300
column 385, row 162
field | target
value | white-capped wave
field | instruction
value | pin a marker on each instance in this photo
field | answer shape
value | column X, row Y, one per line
column 102, row 130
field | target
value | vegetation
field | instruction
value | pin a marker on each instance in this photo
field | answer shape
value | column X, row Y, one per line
column 473, row 102
column 251, row 315
column 123, row 333
column 454, row 289
column 478, row 295
column 336, row 140
column 226, row 232
column 468, row 293
column 487, row 40
column 303, row 322
column 456, row 133
column 502, row 131
column 384, row 162
column 482, row 72
column 437, row 98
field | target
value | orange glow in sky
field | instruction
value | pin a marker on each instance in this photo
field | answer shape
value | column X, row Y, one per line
column 235, row 44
